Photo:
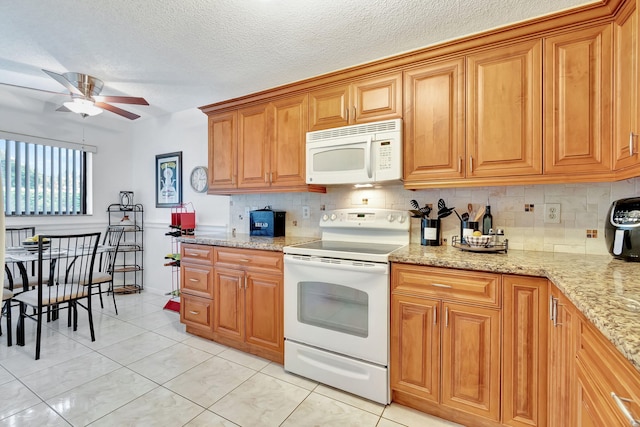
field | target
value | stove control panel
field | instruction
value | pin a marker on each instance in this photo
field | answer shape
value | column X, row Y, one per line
column 365, row 218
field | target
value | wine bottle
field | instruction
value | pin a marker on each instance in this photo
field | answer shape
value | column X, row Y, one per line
column 487, row 220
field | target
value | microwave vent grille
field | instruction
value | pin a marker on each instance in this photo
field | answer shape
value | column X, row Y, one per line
column 370, row 128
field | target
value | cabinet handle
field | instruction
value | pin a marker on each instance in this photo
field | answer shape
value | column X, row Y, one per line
column 194, row 254
column 625, row 411
column 470, row 164
column 459, row 163
column 446, row 317
column 244, row 260
column 551, row 298
column 194, row 312
column 270, row 177
column 631, row 135
column 435, row 315
column 346, row 113
column 354, row 112
column 555, row 313
column 193, row 280
column 245, row 282
column 440, row 285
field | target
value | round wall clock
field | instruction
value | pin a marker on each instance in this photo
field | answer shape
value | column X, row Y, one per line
column 199, row 180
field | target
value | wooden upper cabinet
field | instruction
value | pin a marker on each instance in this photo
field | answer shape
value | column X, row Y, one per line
column 288, row 138
column 434, row 121
column 577, row 109
column 626, row 110
column 261, row 147
column 253, row 147
column 366, row 100
column 222, row 151
column 504, row 111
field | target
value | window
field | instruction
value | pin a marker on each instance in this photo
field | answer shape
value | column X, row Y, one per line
column 47, row 178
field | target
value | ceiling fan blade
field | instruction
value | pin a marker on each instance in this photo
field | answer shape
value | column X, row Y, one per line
column 64, row 82
column 117, row 110
column 121, row 99
column 33, row 88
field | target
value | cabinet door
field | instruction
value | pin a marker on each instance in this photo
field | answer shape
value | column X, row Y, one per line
column 228, row 286
column 415, row 346
column 376, row 98
column 471, row 360
column 561, row 361
column 524, row 351
column 329, row 107
column 504, row 111
column 223, row 153
column 264, row 313
column 590, row 404
column 577, row 107
column 434, row 121
column 288, row 141
column 627, row 89
column 253, row 147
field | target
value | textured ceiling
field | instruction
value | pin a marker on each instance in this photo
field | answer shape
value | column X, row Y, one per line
column 188, row 53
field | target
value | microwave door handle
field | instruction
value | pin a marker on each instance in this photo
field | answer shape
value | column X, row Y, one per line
column 369, row 156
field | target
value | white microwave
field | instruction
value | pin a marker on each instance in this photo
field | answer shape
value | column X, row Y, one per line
column 360, row 154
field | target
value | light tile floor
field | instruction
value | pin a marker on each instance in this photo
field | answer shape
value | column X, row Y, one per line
column 145, row 370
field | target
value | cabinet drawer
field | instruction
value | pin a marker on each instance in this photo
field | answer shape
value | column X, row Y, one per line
column 196, row 312
column 199, row 254
column 447, row 284
column 266, row 261
column 602, row 365
column 197, row 280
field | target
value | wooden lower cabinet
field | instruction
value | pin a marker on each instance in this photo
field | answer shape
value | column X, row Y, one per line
column 445, row 345
column 235, row 297
column 561, row 373
column 524, row 351
column 196, row 293
column 248, row 298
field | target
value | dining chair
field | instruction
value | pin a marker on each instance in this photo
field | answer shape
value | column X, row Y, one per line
column 7, row 295
column 14, row 236
column 65, row 266
column 106, row 263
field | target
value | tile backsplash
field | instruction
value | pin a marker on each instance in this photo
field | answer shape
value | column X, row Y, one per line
column 519, row 210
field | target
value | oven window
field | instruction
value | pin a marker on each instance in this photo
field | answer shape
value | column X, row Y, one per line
column 335, row 307
column 339, row 160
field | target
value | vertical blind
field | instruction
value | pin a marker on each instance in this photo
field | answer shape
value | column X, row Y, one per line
column 42, row 179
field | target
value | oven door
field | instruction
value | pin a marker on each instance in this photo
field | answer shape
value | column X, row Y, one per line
column 338, row 305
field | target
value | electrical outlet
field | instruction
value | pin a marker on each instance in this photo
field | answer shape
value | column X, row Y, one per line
column 306, row 213
column 552, row 213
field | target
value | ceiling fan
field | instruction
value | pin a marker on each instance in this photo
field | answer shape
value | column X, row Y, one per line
column 86, row 99
column 85, row 95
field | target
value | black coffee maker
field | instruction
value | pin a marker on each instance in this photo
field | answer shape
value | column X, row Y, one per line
column 622, row 229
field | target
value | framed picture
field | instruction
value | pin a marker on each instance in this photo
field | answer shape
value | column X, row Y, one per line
column 169, row 180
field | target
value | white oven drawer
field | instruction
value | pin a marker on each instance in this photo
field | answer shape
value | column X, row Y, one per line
column 351, row 375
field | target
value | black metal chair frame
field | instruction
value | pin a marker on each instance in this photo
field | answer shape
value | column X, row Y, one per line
column 60, row 275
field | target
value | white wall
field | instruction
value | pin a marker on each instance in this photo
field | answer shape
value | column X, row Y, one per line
column 185, row 131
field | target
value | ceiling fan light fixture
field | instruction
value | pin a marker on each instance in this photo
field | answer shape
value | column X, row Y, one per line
column 83, row 106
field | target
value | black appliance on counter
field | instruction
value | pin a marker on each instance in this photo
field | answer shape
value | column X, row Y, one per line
column 267, row 222
column 622, row 229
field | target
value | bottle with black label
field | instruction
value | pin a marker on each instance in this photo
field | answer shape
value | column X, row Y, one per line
column 487, row 220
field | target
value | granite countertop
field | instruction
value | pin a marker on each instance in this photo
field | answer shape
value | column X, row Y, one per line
column 605, row 290
column 245, row 241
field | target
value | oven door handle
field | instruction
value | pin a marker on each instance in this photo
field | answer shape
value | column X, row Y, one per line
column 315, row 261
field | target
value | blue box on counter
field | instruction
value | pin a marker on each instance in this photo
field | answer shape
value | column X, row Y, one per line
column 266, row 222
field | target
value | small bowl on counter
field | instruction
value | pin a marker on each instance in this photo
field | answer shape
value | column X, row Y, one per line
column 478, row 241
